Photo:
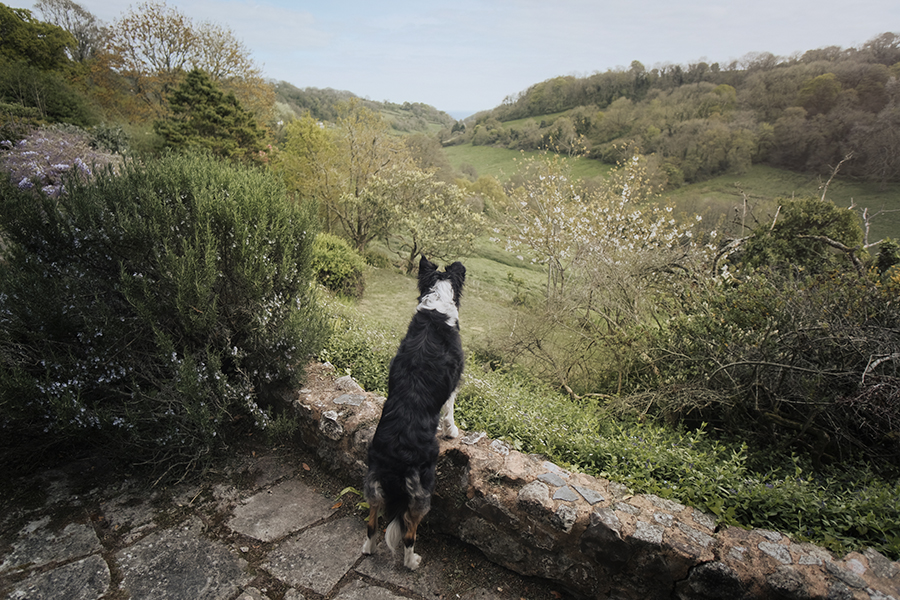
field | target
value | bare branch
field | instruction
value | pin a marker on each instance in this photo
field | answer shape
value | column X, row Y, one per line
column 851, row 252
column 834, row 172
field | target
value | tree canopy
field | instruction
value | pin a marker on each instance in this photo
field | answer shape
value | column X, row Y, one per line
column 204, row 117
column 40, row 45
column 154, row 45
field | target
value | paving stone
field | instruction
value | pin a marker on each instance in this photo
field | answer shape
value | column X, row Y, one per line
column 350, row 399
column 566, row 494
column 38, row 545
column 267, row 470
column 181, row 564
column 428, row 580
column 272, row 514
column 470, row 439
column 87, row 579
column 776, row 551
column 479, row 594
column 318, row 557
column 359, row 590
column 127, row 511
column 251, row 593
column 647, row 532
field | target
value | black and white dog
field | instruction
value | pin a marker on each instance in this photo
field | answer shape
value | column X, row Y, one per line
column 422, row 384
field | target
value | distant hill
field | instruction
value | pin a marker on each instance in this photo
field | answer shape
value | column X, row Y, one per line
column 805, row 113
column 409, row 117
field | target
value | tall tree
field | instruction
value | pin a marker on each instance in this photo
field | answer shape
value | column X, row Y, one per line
column 154, row 45
column 423, row 215
column 333, row 164
column 41, row 45
column 205, row 117
column 81, row 24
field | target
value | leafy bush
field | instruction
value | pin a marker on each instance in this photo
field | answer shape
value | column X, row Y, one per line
column 799, row 238
column 47, row 92
column 150, row 312
column 805, row 364
column 377, row 259
column 338, row 266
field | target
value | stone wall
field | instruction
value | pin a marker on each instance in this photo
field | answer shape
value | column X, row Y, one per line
column 591, row 535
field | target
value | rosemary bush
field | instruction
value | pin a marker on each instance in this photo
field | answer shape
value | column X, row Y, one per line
column 150, row 311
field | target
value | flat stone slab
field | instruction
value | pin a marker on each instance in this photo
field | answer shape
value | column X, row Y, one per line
column 429, row 580
column 127, row 511
column 359, row 590
column 181, row 564
column 272, row 514
column 38, row 545
column 87, row 579
column 319, row 557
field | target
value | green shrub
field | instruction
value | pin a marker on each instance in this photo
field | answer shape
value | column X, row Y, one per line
column 793, row 364
column 338, row 266
column 150, row 312
column 377, row 259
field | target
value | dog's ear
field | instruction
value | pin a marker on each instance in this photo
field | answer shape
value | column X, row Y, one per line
column 457, row 273
column 426, row 265
column 458, row 270
column 427, row 275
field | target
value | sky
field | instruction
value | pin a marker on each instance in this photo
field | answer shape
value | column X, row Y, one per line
column 470, row 55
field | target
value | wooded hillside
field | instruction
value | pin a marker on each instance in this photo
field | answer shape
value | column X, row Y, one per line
column 322, row 104
column 805, row 113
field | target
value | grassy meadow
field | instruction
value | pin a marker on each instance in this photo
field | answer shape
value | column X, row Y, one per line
column 502, row 163
column 722, row 196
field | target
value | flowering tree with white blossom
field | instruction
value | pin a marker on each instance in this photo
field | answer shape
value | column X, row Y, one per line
column 606, row 251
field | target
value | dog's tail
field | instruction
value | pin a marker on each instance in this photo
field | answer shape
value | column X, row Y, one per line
column 394, row 534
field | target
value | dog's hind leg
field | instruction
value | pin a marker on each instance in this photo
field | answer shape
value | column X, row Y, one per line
column 446, row 424
column 419, row 505
column 376, row 501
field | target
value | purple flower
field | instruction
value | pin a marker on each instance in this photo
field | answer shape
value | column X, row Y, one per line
column 25, row 184
column 79, row 164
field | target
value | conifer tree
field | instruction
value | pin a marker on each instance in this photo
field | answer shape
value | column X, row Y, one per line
column 204, row 117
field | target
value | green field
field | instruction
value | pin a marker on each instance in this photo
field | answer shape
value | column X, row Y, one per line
column 502, row 163
column 721, row 196
column 389, row 301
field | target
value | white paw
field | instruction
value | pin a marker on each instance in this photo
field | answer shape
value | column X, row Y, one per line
column 451, row 432
column 369, row 545
column 411, row 560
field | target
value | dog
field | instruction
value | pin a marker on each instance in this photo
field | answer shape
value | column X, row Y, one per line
column 423, row 380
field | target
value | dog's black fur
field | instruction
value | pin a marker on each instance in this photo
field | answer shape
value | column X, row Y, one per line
column 423, row 379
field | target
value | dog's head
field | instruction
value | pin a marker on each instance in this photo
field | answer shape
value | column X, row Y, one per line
column 429, row 277
column 441, row 291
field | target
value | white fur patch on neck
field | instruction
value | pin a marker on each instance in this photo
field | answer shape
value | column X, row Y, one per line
column 440, row 298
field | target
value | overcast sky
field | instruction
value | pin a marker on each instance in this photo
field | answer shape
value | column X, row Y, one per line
column 468, row 55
